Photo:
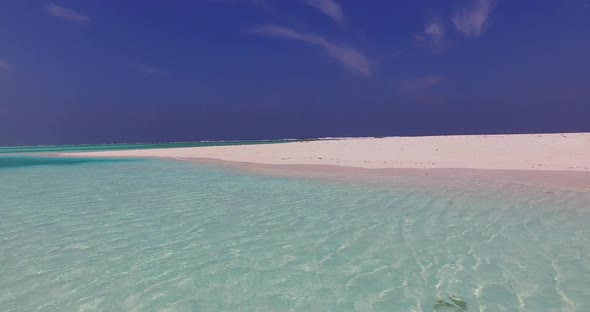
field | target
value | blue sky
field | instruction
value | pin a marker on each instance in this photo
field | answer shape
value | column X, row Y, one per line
column 147, row 71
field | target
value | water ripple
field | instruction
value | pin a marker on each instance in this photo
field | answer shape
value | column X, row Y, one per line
column 164, row 236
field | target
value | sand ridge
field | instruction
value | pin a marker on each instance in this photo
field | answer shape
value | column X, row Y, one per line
column 545, row 152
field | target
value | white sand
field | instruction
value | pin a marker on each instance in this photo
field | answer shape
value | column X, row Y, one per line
column 562, row 152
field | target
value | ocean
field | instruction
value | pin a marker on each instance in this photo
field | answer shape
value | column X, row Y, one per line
column 161, row 235
column 11, row 150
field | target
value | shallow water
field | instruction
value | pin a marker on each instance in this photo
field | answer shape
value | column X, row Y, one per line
column 153, row 235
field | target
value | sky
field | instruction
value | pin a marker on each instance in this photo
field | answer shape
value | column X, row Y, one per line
column 113, row 71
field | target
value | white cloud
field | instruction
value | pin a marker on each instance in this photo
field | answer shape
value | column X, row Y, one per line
column 420, row 83
column 349, row 57
column 434, row 36
column 328, row 7
column 67, row 14
column 149, row 70
column 473, row 19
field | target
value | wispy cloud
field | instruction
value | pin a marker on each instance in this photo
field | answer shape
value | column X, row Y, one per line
column 67, row 14
column 420, row 83
column 148, row 70
column 434, row 36
column 473, row 18
column 328, row 7
column 347, row 56
column 4, row 66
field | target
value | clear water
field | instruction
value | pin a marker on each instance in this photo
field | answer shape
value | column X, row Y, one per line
column 153, row 235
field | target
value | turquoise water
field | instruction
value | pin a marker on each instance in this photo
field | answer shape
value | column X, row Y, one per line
column 13, row 162
column 153, row 235
column 130, row 146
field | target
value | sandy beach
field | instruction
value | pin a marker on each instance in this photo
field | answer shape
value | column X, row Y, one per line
column 547, row 159
column 555, row 152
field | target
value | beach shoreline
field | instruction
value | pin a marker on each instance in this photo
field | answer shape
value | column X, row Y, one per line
column 548, row 160
column 564, row 180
